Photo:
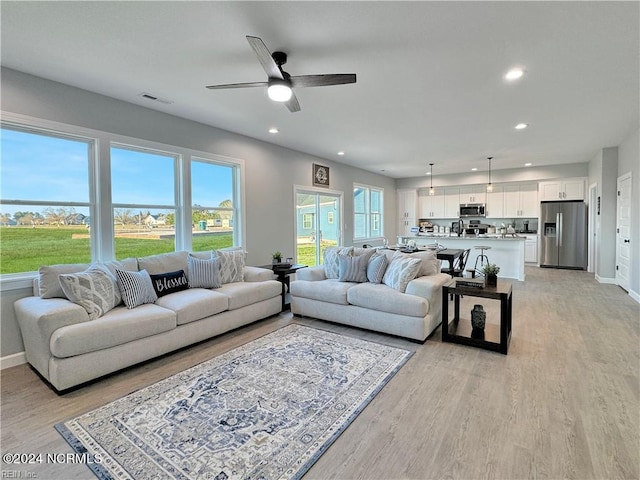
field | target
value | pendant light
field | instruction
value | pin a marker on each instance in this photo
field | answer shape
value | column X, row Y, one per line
column 431, row 190
column 489, row 185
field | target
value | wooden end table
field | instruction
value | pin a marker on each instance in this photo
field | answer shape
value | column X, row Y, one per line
column 494, row 339
column 283, row 277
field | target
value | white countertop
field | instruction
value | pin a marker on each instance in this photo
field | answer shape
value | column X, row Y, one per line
column 446, row 237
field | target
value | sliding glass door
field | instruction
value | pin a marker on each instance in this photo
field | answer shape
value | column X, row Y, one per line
column 318, row 223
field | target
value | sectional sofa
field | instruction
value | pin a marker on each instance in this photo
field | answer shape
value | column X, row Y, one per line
column 401, row 295
column 70, row 343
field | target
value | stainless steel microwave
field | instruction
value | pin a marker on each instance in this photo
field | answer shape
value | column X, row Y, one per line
column 472, row 210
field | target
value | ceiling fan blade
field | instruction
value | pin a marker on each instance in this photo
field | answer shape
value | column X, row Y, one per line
column 238, row 85
column 322, row 80
column 292, row 104
column 265, row 58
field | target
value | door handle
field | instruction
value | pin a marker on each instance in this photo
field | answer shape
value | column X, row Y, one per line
column 626, row 240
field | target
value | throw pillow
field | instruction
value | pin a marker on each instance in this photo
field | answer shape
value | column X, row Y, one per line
column 402, row 269
column 352, row 269
column 331, row 266
column 231, row 265
column 49, row 281
column 95, row 290
column 204, row 273
column 136, row 288
column 430, row 263
column 376, row 267
column 171, row 282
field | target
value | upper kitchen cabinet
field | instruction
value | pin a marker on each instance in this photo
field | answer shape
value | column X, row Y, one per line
column 521, row 200
column 473, row 194
column 495, row 202
column 431, row 206
column 563, row 189
column 451, row 202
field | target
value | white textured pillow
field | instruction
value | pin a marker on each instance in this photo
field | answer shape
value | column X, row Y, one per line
column 231, row 265
column 352, row 269
column 430, row 263
column 331, row 267
column 95, row 289
column 136, row 288
column 402, row 269
column 204, row 273
column 376, row 267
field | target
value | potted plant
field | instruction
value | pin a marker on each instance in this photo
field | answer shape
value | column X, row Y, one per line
column 490, row 271
column 277, row 257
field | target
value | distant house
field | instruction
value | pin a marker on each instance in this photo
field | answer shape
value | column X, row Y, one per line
column 153, row 221
column 76, row 219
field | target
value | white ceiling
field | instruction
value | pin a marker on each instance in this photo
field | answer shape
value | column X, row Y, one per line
column 430, row 82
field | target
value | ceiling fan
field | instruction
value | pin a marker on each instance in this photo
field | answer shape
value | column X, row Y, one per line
column 280, row 83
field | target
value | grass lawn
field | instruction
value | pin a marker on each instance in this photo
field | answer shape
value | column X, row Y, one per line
column 25, row 249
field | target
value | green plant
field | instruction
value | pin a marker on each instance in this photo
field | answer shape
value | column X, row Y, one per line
column 490, row 269
column 277, row 256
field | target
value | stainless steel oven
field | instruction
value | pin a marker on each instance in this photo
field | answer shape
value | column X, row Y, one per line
column 472, row 210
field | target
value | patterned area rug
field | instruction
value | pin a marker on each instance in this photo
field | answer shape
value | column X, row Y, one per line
column 266, row 410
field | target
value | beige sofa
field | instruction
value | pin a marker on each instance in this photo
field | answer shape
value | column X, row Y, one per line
column 68, row 348
column 413, row 313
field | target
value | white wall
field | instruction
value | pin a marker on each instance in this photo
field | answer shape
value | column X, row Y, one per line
column 270, row 170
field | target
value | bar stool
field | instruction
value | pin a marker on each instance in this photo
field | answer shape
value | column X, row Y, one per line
column 482, row 258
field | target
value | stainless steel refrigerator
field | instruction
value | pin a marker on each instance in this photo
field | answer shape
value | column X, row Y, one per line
column 564, row 235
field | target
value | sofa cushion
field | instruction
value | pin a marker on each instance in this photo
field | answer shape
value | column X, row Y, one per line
column 386, row 299
column 376, row 267
column 231, row 265
column 170, row 282
column 136, row 288
column 95, row 289
column 401, row 271
column 49, row 283
column 352, row 269
column 430, row 264
column 242, row 294
column 194, row 304
column 330, row 290
column 163, row 263
column 330, row 256
column 116, row 327
column 204, row 273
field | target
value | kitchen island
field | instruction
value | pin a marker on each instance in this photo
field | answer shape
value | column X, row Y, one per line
column 507, row 252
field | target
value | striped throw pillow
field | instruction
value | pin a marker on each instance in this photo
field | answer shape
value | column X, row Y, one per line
column 352, row 269
column 204, row 273
column 136, row 288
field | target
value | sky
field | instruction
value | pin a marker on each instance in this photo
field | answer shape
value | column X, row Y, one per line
column 45, row 168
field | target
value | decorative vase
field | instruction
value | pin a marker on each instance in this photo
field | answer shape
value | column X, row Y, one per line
column 276, row 260
column 478, row 317
column 492, row 280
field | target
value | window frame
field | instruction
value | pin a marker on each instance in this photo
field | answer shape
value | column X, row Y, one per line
column 100, row 201
column 369, row 216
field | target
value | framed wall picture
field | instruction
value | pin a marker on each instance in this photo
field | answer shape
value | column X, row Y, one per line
column 320, row 175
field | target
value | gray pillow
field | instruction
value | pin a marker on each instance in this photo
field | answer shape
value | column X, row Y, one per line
column 95, row 289
column 331, row 260
column 136, row 288
column 402, row 269
column 352, row 269
column 430, row 263
column 231, row 265
column 204, row 273
column 376, row 267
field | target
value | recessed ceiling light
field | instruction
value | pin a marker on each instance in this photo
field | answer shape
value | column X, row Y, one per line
column 340, row 153
column 521, row 126
column 514, row 74
column 528, row 164
column 274, row 130
column 474, row 169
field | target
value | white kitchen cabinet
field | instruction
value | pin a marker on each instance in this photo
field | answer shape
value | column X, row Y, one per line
column 531, row 249
column 431, row 206
column 407, row 209
column 495, row 202
column 451, row 202
column 563, row 189
column 473, row 194
column 521, row 200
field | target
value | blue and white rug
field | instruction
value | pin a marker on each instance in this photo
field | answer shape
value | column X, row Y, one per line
column 266, row 410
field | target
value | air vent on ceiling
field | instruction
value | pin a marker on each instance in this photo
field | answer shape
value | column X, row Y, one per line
column 153, row 98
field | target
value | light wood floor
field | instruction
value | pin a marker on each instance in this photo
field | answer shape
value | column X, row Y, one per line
column 563, row 404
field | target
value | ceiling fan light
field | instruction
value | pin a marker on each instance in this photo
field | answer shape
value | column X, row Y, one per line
column 279, row 91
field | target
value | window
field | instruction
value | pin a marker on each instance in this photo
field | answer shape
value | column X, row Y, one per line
column 367, row 212
column 144, row 201
column 214, row 206
column 330, row 216
column 307, row 221
column 45, row 206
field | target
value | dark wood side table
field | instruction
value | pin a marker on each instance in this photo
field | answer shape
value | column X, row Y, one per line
column 494, row 339
column 283, row 277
